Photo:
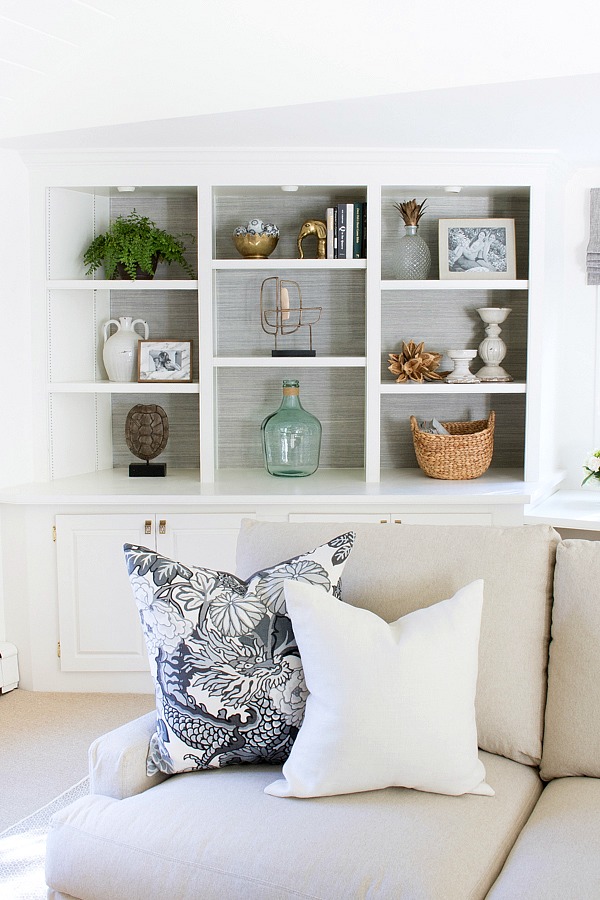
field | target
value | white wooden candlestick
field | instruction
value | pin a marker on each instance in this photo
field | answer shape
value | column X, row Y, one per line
column 461, row 374
column 492, row 349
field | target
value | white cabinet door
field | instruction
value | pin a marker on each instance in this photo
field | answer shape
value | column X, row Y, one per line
column 207, row 540
column 357, row 518
column 440, row 518
column 399, row 518
column 99, row 626
column 98, row 621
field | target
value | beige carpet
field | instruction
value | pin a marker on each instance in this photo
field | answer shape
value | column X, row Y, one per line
column 44, row 739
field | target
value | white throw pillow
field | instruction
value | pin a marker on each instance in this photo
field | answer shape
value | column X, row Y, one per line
column 389, row 704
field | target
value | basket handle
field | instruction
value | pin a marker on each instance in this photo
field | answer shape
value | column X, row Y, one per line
column 413, row 424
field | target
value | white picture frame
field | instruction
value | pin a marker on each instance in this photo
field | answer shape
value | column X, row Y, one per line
column 164, row 361
column 477, row 249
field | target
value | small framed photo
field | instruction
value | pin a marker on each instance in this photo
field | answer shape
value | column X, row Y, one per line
column 477, row 248
column 163, row 361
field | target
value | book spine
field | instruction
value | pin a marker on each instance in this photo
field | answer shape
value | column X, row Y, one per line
column 357, row 231
column 349, row 229
column 342, row 227
column 363, row 248
column 335, row 234
column 329, row 221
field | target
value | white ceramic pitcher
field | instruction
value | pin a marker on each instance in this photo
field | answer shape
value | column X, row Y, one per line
column 121, row 348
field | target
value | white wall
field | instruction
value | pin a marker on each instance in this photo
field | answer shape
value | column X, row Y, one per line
column 15, row 311
column 15, row 315
column 577, row 351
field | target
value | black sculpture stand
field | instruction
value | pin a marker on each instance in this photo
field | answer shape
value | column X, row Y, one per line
column 293, row 352
column 147, row 470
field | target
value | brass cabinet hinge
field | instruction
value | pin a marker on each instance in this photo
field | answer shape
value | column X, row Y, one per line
column 54, row 533
column 58, row 649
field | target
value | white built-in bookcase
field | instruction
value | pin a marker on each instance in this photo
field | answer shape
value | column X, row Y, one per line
column 215, row 420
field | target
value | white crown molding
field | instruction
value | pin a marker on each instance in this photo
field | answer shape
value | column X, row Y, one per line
column 75, row 161
column 258, row 155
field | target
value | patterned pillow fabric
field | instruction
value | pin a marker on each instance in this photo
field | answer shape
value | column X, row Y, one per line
column 229, row 682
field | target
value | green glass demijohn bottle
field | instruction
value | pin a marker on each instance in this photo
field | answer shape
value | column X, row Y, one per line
column 291, row 436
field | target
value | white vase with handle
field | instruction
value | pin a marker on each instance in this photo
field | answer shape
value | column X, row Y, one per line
column 120, row 351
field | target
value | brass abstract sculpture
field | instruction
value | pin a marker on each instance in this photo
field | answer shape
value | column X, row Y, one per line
column 318, row 228
column 146, row 434
column 281, row 316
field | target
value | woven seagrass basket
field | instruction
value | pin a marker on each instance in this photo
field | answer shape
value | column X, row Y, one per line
column 464, row 453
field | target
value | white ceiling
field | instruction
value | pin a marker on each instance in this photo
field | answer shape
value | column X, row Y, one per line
column 557, row 114
column 511, row 74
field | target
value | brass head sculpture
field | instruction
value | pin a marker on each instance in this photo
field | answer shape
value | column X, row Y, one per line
column 314, row 227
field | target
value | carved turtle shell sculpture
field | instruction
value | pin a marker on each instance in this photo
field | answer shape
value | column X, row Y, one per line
column 146, row 430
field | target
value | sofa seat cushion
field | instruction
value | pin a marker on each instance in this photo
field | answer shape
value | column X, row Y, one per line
column 557, row 855
column 216, row 834
column 395, row 569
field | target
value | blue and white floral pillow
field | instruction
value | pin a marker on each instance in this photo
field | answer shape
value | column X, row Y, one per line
column 229, row 682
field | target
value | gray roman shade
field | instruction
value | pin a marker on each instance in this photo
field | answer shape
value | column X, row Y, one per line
column 593, row 250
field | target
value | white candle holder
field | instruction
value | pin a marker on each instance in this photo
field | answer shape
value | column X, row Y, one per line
column 461, row 374
column 492, row 349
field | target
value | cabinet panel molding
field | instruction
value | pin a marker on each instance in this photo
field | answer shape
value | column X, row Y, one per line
column 98, row 621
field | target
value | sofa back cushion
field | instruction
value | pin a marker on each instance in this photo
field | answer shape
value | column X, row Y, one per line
column 572, row 735
column 395, row 569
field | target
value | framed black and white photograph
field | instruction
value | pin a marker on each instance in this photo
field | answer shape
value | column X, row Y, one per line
column 163, row 361
column 477, row 248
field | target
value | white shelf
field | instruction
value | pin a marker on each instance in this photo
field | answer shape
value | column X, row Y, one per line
column 482, row 284
column 130, row 387
column 330, row 486
column 568, row 509
column 289, row 264
column 87, row 284
column 285, row 362
column 255, row 487
column 437, row 387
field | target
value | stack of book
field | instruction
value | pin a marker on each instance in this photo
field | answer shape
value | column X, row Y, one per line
column 347, row 231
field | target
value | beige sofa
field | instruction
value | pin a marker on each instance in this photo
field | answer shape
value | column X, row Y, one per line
column 216, row 835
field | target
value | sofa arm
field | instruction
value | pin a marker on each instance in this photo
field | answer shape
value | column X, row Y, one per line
column 117, row 760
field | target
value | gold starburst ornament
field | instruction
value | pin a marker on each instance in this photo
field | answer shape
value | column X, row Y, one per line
column 415, row 363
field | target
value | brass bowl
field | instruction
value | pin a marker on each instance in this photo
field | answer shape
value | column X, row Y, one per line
column 255, row 246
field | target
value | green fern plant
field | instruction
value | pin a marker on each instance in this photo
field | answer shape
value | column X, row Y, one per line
column 133, row 241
